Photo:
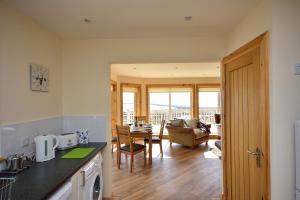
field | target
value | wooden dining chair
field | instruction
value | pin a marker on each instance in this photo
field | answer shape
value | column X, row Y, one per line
column 140, row 119
column 158, row 140
column 126, row 145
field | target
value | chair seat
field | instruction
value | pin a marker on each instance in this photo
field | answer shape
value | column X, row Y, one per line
column 154, row 139
column 136, row 147
column 114, row 139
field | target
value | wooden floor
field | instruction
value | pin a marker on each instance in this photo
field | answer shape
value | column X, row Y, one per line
column 183, row 173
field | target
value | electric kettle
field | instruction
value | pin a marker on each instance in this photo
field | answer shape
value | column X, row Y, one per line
column 45, row 147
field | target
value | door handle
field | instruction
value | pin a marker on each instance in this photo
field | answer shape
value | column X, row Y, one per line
column 252, row 152
column 257, row 153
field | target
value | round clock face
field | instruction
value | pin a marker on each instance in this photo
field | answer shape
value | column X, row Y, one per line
column 39, row 78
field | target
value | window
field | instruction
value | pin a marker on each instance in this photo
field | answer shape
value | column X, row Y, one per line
column 128, row 107
column 159, row 107
column 209, row 104
column 169, row 103
column 130, row 102
column 181, row 105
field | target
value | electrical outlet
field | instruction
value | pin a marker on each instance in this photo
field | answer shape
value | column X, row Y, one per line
column 25, row 141
column 297, row 69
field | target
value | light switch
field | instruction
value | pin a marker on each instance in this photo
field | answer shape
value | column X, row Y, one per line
column 297, row 69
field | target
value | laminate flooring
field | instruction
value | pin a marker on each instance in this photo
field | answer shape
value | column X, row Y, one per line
column 182, row 174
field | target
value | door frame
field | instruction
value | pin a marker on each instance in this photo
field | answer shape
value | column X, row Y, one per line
column 114, row 86
column 262, row 43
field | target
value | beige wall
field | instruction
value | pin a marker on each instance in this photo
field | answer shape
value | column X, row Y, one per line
column 145, row 81
column 86, row 71
column 88, row 61
column 23, row 42
column 255, row 23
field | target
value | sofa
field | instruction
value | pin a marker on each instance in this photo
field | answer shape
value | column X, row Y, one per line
column 189, row 133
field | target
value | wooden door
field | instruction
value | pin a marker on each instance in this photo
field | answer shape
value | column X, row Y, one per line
column 245, row 119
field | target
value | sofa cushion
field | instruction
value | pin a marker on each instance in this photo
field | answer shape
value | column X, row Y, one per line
column 192, row 122
column 177, row 122
column 199, row 133
column 204, row 127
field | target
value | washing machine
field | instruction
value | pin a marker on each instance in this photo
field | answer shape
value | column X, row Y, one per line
column 91, row 184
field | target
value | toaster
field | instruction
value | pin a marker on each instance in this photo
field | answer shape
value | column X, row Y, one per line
column 67, row 141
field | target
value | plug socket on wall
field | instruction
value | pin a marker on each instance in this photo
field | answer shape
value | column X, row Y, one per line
column 297, row 69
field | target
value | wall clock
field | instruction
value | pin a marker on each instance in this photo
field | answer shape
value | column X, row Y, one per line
column 39, row 78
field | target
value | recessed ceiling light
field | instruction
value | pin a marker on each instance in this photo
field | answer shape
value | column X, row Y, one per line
column 134, row 68
column 176, row 67
column 188, row 18
column 87, row 20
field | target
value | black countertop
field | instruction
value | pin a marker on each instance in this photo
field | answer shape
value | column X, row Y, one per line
column 42, row 179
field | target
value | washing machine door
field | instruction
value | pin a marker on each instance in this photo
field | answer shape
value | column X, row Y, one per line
column 96, row 188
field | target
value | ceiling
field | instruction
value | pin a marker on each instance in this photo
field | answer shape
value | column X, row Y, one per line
column 135, row 18
column 167, row 70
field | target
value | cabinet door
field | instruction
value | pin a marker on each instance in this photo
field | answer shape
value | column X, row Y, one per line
column 75, row 186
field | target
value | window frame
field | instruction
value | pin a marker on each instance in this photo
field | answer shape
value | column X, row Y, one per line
column 137, row 102
column 206, row 86
column 149, row 86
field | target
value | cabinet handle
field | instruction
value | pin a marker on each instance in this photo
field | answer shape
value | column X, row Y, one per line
column 83, row 178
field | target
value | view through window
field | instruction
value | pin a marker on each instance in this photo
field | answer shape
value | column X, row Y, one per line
column 128, row 107
column 209, row 105
column 168, row 104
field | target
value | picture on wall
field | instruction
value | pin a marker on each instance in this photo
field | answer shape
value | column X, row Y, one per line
column 39, row 78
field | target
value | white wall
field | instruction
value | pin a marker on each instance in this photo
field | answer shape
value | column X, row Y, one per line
column 86, row 71
column 284, row 95
column 255, row 23
column 23, row 42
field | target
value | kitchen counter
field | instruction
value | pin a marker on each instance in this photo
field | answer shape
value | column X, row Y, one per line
column 42, row 179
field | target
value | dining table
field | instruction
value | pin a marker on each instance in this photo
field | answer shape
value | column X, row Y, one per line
column 141, row 133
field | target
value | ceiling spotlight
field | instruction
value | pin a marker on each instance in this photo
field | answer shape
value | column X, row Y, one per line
column 87, row 20
column 188, row 18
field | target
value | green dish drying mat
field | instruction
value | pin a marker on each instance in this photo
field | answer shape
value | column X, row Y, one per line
column 78, row 153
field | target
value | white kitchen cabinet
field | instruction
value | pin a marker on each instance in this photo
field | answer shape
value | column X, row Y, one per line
column 75, row 185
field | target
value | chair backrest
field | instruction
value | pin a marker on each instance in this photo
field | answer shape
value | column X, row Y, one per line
column 162, row 126
column 140, row 119
column 123, row 136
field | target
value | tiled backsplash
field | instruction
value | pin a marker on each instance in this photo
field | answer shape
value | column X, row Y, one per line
column 94, row 124
column 13, row 137
column 18, row 138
